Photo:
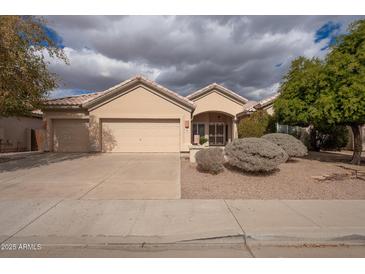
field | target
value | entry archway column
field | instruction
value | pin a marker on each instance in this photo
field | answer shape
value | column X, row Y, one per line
column 235, row 128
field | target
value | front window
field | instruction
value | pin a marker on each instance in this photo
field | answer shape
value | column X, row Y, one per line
column 216, row 134
column 198, row 131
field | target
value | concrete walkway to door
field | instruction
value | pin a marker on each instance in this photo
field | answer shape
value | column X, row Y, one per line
column 91, row 176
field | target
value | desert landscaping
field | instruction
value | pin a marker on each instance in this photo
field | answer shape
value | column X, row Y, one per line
column 320, row 175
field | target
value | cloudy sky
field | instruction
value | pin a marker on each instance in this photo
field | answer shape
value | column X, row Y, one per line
column 248, row 54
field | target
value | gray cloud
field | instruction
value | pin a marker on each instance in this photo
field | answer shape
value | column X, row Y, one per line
column 187, row 52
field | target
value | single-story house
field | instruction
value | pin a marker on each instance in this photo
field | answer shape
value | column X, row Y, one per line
column 21, row 133
column 139, row 115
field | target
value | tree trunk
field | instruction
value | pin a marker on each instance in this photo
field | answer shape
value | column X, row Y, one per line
column 356, row 157
column 313, row 139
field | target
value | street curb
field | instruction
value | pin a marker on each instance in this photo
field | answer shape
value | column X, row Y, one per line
column 299, row 240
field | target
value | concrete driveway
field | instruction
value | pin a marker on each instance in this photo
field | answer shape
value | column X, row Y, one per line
column 91, row 176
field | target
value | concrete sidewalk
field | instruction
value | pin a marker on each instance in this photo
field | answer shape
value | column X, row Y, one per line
column 229, row 223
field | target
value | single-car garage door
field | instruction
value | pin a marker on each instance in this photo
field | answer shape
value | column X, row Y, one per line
column 70, row 135
column 141, row 135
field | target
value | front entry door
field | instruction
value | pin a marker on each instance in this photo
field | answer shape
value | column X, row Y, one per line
column 216, row 134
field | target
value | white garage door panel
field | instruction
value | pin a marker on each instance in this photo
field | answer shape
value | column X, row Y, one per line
column 134, row 135
column 70, row 135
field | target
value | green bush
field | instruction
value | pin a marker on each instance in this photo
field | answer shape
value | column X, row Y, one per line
column 271, row 126
column 255, row 125
column 202, row 140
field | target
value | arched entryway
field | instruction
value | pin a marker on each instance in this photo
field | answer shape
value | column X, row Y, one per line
column 216, row 127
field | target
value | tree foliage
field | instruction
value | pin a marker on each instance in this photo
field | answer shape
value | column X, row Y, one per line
column 301, row 87
column 255, row 125
column 329, row 92
column 24, row 76
column 329, row 137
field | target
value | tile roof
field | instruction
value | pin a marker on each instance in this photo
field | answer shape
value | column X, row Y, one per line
column 85, row 99
column 252, row 106
column 248, row 108
column 267, row 101
column 76, row 100
column 37, row 113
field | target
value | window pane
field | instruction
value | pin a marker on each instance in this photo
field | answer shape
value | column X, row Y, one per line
column 219, row 129
column 219, row 140
column 201, row 129
column 211, row 130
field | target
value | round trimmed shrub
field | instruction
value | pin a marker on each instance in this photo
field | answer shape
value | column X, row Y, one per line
column 210, row 160
column 255, row 155
column 292, row 146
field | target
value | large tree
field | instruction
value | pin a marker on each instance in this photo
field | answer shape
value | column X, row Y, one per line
column 344, row 99
column 329, row 92
column 299, row 92
column 24, row 77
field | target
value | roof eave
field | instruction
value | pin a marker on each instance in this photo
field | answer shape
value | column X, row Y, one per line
column 133, row 83
column 55, row 107
column 197, row 94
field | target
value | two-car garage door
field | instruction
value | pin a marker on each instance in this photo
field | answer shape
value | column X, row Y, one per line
column 140, row 135
column 118, row 135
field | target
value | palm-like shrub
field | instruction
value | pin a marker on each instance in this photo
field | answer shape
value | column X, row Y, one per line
column 292, row 146
column 210, row 160
column 255, row 155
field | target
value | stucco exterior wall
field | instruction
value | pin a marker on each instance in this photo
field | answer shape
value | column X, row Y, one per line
column 50, row 115
column 216, row 101
column 14, row 131
column 141, row 102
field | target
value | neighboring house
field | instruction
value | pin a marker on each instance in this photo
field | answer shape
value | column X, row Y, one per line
column 267, row 104
column 19, row 133
column 139, row 115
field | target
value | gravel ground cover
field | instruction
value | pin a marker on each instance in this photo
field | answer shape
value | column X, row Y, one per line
column 323, row 175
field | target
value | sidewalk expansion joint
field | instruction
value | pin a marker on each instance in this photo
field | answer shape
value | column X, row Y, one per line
column 32, row 221
column 98, row 184
column 243, row 231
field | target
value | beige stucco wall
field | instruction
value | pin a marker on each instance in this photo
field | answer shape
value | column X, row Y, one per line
column 141, row 102
column 14, row 131
column 50, row 115
column 216, row 101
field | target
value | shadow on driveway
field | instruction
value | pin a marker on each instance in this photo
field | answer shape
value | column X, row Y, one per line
column 14, row 163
